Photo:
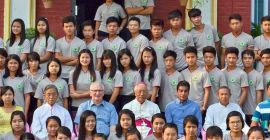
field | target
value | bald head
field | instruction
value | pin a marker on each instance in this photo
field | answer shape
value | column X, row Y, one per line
column 97, row 84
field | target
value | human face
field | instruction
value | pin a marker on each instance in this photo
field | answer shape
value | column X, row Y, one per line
column 62, row 137
column 133, row 27
column 158, row 125
column 33, row 64
column 125, row 121
column 69, row 28
column 8, row 97
column 132, row 137
column 112, row 28
column 248, row 61
column 2, row 61
column 191, row 129
column 147, row 58
column 175, row 22
column 125, row 60
column 169, row 62
column 17, row 123
column 224, row 96
column 231, row 59
column 236, row 25
column 54, row 68
column 266, row 26
column 197, row 21
column 265, row 60
column 85, row 59
column 41, row 27
column 52, row 127
column 209, row 59
column 235, row 124
column 107, row 62
column 169, row 134
column 90, row 123
column 141, row 93
column 255, row 135
column 156, row 31
column 191, row 59
column 96, row 92
column 13, row 65
column 214, row 138
column 88, row 32
column 16, row 28
column 182, row 93
column 51, row 96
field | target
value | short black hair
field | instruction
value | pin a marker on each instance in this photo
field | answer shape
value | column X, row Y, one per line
column 158, row 115
column 135, row 19
column 55, row 118
column 133, row 131
column 233, row 50
column 3, row 52
column 265, row 18
column 214, row 131
column 64, row 130
column 192, row 119
column 256, row 128
column 248, row 52
column 183, row 84
column 68, row 19
column 194, row 12
column 190, row 49
column 27, row 136
column 88, row 23
column 170, row 53
column 157, row 22
column 265, row 51
column 175, row 14
column 100, row 135
column 33, row 56
column 170, row 125
column 112, row 20
column 267, row 85
column 209, row 49
column 234, row 114
column 236, row 16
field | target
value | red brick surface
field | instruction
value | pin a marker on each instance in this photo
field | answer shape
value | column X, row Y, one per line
column 1, row 18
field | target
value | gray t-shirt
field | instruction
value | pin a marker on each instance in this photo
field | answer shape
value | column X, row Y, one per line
column 168, row 88
column 137, row 45
column 104, row 12
column 83, row 83
column 145, row 19
column 261, row 43
column 182, row 40
column 130, row 79
column 1, row 43
column 111, row 83
column 161, row 46
column 96, row 49
column 115, row 45
column 69, row 49
column 8, row 136
column 255, row 81
column 154, row 82
column 218, row 79
column 241, row 42
column 202, row 39
column 236, row 79
column 34, row 79
column 59, row 83
column 198, row 80
column 266, row 79
column 21, row 86
column 227, row 136
column 151, row 137
column 41, row 48
column 18, row 49
column 113, row 136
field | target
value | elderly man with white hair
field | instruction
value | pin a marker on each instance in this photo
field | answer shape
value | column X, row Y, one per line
column 143, row 109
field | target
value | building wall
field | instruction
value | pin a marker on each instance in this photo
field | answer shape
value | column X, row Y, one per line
column 1, row 18
column 60, row 8
column 227, row 7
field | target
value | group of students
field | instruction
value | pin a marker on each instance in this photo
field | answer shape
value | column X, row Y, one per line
column 49, row 78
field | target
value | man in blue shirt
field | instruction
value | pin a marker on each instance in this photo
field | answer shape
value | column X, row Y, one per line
column 106, row 114
column 177, row 110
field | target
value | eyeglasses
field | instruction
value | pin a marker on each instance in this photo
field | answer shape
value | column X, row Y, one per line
column 96, row 90
column 235, row 122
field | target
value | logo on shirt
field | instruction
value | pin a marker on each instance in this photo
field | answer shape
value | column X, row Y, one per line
column 110, row 80
column 93, row 49
column 232, row 80
column 76, row 50
column 128, row 79
column 160, row 47
column 242, row 44
column 91, row 79
column 268, row 80
column 173, row 83
column 181, row 40
column 42, row 45
column 19, row 86
column 250, row 83
column 114, row 11
column 60, row 88
column 212, row 79
column 20, row 48
column 144, row 2
column 114, row 48
column 136, row 45
column 209, row 37
column 195, row 78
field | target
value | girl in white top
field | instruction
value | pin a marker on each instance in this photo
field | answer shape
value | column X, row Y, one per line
column 43, row 43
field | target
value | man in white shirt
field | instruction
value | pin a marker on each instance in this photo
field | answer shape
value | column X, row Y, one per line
column 143, row 109
column 50, row 108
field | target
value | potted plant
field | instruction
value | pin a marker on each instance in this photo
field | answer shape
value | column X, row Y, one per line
column 30, row 33
column 47, row 3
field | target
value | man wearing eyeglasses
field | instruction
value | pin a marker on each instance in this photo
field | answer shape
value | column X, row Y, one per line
column 106, row 114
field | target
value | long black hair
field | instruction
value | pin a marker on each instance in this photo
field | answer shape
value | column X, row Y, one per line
column 19, row 72
column 82, row 130
column 132, row 64
column 78, row 68
column 47, row 31
column 119, row 129
column 22, row 34
column 108, row 54
column 153, row 66
column 56, row 61
column 4, row 89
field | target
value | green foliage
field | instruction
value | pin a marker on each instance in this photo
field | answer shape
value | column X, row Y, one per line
column 255, row 30
column 198, row 3
column 30, row 33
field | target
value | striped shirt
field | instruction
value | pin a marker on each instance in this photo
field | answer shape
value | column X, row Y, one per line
column 262, row 114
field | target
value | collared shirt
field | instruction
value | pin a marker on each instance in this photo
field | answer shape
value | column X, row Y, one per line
column 176, row 112
column 262, row 114
column 217, row 113
column 105, row 113
column 143, row 115
column 45, row 111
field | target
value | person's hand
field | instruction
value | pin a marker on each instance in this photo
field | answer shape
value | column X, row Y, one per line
column 203, row 109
